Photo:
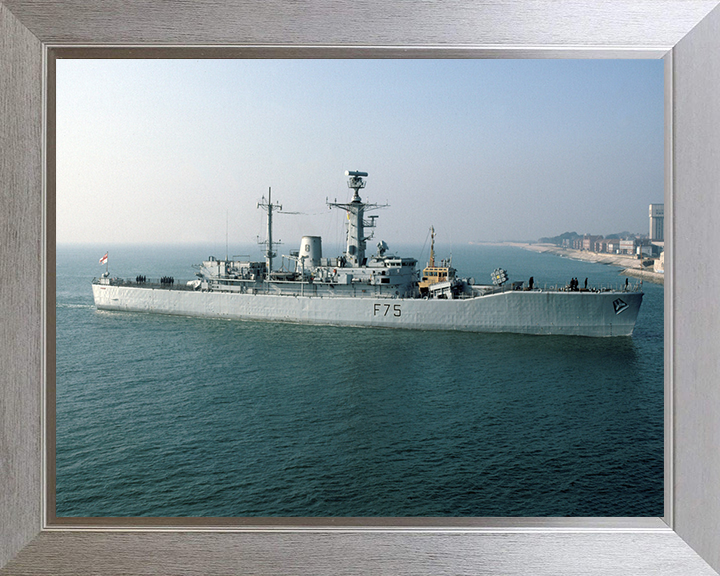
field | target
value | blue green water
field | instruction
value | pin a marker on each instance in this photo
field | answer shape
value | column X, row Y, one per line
column 174, row 416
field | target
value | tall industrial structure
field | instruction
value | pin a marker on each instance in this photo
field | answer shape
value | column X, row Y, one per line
column 657, row 222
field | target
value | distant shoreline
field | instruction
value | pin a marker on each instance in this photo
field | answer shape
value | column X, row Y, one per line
column 630, row 266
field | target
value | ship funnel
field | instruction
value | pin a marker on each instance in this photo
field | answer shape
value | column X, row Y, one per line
column 311, row 251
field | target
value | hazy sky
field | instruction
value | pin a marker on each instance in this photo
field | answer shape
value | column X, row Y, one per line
column 163, row 151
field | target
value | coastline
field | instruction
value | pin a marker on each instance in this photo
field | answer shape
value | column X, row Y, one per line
column 629, row 266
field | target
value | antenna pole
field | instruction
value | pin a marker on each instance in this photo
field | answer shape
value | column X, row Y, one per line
column 269, row 231
column 268, row 207
column 432, row 247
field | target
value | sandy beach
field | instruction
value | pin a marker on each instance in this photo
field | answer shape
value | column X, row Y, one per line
column 630, row 266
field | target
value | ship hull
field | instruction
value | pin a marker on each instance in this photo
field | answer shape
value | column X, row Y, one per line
column 525, row 312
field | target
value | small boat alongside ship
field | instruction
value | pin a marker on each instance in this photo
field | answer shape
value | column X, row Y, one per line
column 379, row 290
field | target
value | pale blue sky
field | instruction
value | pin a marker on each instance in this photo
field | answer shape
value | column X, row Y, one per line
column 159, row 151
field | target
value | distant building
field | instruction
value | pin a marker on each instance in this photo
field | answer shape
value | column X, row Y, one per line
column 588, row 242
column 644, row 250
column 627, row 247
column 657, row 222
column 659, row 265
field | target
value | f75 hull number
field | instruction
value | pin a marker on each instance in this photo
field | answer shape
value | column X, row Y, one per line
column 387, row 310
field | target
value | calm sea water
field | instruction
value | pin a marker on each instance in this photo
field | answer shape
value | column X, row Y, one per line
column 173, row 416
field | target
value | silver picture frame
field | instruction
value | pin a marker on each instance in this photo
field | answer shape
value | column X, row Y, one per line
column 685, row 33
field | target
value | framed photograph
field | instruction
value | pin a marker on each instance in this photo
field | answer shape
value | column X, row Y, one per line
column 458, row 414
column 680, row 541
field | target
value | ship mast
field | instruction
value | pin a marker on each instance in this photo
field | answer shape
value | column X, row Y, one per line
column 431, row 264
column 356, row 239
column 269, row 207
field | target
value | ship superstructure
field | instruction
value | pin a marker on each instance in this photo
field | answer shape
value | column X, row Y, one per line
column 379, row 289
column 433, row 274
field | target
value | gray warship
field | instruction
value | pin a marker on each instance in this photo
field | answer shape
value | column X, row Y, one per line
column 375, row 290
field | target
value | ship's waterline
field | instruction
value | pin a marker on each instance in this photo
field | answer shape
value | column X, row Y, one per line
column 577, row 313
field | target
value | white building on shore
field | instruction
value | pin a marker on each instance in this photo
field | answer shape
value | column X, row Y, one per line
column 657, row 222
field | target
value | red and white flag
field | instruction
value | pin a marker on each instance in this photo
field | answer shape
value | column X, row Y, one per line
column 103, row 260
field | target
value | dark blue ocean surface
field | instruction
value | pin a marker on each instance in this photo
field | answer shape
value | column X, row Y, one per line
column 174, row 416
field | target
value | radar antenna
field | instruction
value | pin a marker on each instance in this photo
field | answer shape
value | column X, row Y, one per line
column 356, row 182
